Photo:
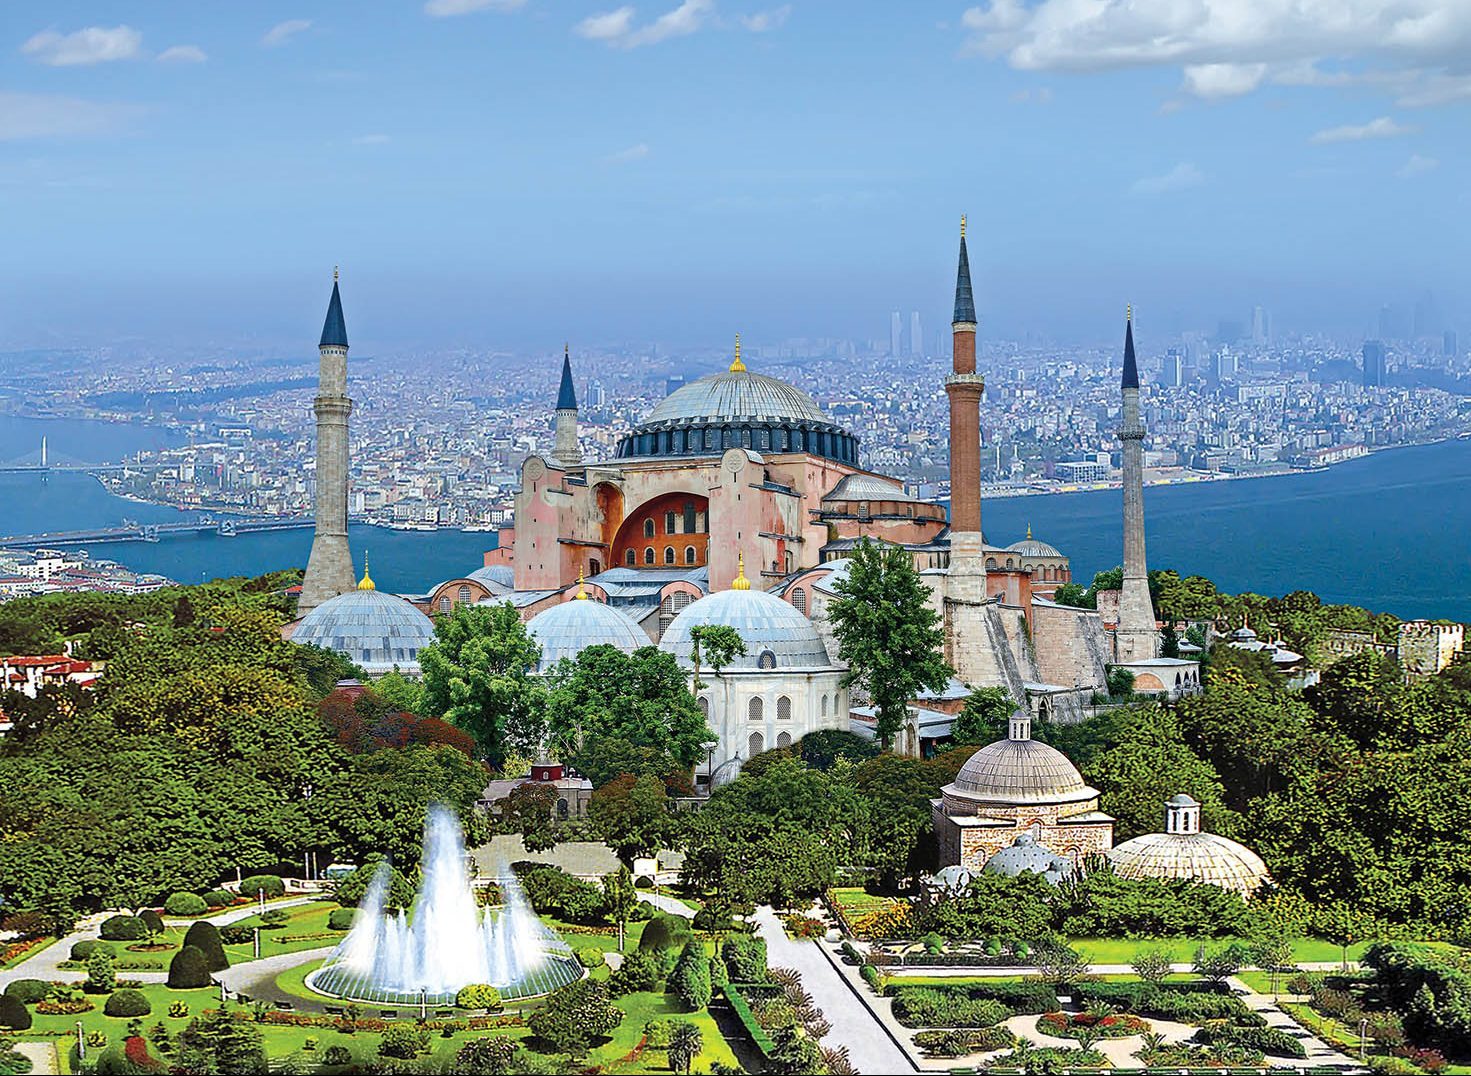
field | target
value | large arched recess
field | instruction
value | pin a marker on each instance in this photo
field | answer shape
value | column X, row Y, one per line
column 610, row 507
column 691, row 532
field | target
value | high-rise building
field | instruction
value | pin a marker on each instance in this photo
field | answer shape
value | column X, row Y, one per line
column 1376, row 369
column 1174, row 368
column 1394, row 322
column 329, row 570
column 1261, row 326
column 1448, row 344
column 673, row 383
column 1223, row 366
column 916, row 335
column 896, row 334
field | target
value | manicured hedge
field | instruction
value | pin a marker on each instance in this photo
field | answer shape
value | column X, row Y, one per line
column 923, row 1006
column 1189, row 1002
column 1269, row 1040
column 219, row 898
column 957, row 1042
column 1021, row 998
column 340, row 919
column 83, row 949
column 152, row 920
column 188, row 970
column 29, row 991
column 124, row 928
column 745, row 957
column 127, row 1003
column 13, row 1013
column 185, row 904
column 742, row 1009
column 270, row 884
column 205, row 937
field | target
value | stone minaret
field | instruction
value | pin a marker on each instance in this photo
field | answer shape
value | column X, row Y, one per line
column 329, row 570
column 964, row 387
column 1137, row 638
column 564, row 445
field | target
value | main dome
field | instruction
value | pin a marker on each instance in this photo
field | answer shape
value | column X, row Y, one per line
column 1020, row 771
column 378, row 631
column 738, row 409
column 776, row 635
column 565, row 630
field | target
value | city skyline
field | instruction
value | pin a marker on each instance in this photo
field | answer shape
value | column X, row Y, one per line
column 689, row 169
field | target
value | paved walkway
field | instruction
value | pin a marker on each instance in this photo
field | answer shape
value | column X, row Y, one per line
column 42, row 1055
column 673, row 905
column 854, row 1026
column 257, row 978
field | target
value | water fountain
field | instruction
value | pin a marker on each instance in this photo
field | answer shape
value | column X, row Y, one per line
column 445, row 942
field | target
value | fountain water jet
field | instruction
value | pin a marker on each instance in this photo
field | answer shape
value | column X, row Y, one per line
column 445, row 942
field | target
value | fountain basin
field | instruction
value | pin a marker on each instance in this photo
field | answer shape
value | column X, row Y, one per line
column 341, row 982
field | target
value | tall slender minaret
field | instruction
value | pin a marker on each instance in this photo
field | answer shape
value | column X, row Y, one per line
column 329, row 570
column 964, row 387
column 564, row 445
column 1137, row 638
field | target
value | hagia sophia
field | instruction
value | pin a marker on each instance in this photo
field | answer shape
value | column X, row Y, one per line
column 735, row 502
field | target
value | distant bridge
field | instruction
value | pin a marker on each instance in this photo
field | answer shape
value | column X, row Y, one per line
column 128, row 531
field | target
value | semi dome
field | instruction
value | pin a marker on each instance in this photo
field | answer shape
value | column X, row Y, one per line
column 1205, row 857
column 1027, row 855
column 776, row 635
column 738, row 409
column 495, row 575
column 378, row 631
column 1019, row 770
column 565, row 630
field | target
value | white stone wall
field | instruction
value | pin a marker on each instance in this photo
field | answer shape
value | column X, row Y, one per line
column 729, row 698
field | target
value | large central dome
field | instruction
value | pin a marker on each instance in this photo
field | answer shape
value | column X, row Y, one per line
column 738, row 409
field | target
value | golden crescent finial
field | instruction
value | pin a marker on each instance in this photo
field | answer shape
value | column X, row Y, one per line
column 1029, row 530
column 581, row 590
column 737, row 366
column 367, row 581
column 741, row 582
column 962, row 225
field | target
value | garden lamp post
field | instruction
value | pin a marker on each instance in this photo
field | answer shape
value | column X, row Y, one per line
column 81, row 1043
column 423, row 1003
column 1363, row 1035
column 257, row 942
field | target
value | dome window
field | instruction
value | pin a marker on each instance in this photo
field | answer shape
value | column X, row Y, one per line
column 766, row 660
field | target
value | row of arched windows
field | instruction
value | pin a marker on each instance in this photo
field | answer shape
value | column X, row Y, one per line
column 834, row 444
column 1046, row 572
column 757, row 743
column 691, row 556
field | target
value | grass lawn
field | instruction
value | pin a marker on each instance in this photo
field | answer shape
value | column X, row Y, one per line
column 1182, row 950
column 855, row 901
column 306, row 929
column 640, row 1009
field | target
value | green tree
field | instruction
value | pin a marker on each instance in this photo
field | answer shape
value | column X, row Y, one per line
column 574, row 1016
column 690, row 981
column 717, row 644
column 888, row 634
column 1359, row 696
column 634, row 815
column 205, row 937
column 529, row 810
column 493, row 1055
column 101, row 976
column 985, row 716
column 218, row 1043
column 685, row 1044
column 1073, row 594
column 620, row 898
column 478, row 674
column 1152, row 965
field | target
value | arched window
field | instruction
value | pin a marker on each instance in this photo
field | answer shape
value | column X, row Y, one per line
column 766, row 660
column 783, row 739
column 755, row 709
column 648, row 554
column 669, row 523
column 689, row 554
column 668, row 554
column 705, row 706
column 991, row 564
column 799, row 600
column 464, row 593
column 445, row 603
column 755, row 745
column 783, row 709
column 824, row 706
column 631, row 557
column 648, row 528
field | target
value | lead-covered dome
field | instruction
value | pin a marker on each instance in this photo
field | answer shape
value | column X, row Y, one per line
column 1026, row 854
column 776, row 635
column 565, row 630
column 1205, row 857
column 738, row 409
column 378, row 631
column 1018, row 771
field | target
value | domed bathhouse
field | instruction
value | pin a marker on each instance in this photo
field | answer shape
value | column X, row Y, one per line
column 379, row 631
column 565, row 630
column 782, row 688
column 1028, row 855
column 1183, row 851
column 1015, row 787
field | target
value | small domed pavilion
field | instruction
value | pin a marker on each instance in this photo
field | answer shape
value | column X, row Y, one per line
column 1183, row 851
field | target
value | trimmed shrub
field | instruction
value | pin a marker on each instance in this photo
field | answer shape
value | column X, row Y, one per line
column 403, row 1041
column 691, row 979
column 234, row 934
column 83, row 949
column 341, row 919
column 1023, row 999
column 13, row 1013
column 127, row 1003
column 336, row 1056
column 553, row 891
column 29, row 991
column 124, row 928
column 205, row 937
column 152, row 920
column 185, row 904
column 479, row 996
column 745, row 958
column 270, row 884
column 640, row 970
column 1269, row 1040
column 958, row 1042
column 922, row 1006
column 275, row 918
column 590, row 957
column 219, row 898
column 666, row 936
column 188, row 970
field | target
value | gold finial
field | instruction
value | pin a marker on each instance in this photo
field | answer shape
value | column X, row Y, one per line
column 741, row 582
column 367, row 583
column 1129, row 312
column 566, row 351
column 962, row 225
column 581, row 590
column 1029, row 530
column 737, row 367
column 334, row 274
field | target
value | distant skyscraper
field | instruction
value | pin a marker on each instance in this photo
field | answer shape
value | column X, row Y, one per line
column 1223, row 366
column 916, row 335
column 1448, row 343
column 1376, row 371
column 672, row 383
column 1261, row 326
column 1174, row 368
column 896, row 333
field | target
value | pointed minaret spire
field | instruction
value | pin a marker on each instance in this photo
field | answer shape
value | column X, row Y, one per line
column 566, row 395
column 329, row 570
column 965, row 304
column 1131, row 368
column 334, row 329
column 564, row 438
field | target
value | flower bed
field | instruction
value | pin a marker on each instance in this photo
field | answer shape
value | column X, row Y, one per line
column 923, row 1006
column 1074, row 1025
column 15, row 952
column 63, row 1006
column 804, row 927
column 1184, row 1055
column 957, row 1042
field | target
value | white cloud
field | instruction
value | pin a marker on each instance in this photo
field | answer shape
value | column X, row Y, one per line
column 1041, row 95
column 1223, row 80
column 762, row 21
column 442, row 9
column 39, row 115
column 183, row 54
column 1228, row 47
column 1178, row 178
column 1383, row 127
column 93, row 45
column 627, row 156
column 283, row 32
column 616, row 28
column 376, row 139
column 1417, row 166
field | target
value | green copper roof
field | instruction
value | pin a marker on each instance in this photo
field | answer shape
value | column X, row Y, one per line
column 334, row 329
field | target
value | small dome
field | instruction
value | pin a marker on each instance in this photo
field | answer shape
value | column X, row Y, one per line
column 565, row 630
column 494, row 576
column 775, row 633
column 1020, row 771
column 1206, row 857
column 1027, row 855
column 376, row 630
column 1032, row 547
column 868, row 487
column 736, row 394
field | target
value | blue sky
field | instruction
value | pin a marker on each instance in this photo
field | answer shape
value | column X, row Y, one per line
column 507, row 173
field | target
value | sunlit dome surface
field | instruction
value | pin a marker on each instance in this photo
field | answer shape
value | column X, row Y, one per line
column 1206, row 857
column 565, row 630
column 1020, row 772
column 772, row 630
column 376, row 630
column 736, row 394
column 495, row 575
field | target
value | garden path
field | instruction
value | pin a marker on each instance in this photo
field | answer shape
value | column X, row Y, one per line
column 42, row 1055
column 869, row 1046
column 1319, row 1052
